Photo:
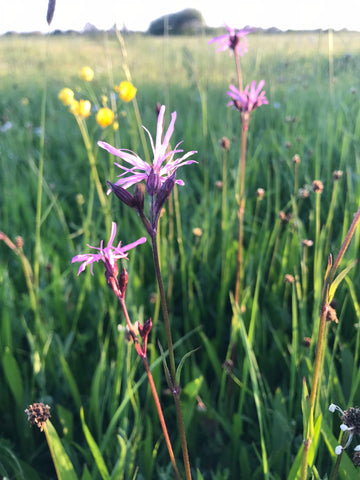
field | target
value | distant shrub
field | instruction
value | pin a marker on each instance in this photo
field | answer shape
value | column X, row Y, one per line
column 186, row 22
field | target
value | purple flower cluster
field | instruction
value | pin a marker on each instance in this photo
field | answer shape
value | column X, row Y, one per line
column 249, row 99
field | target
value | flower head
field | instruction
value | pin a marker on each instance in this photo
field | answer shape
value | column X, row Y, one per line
column 105, row 117
column 87, row 74
column 82, row 108
column 38, row 414
column 108, row 255
column 66, row 96
column 126, row 91
column 251, row 98
column 350, row 425
column 233, row 40
column 164, row 165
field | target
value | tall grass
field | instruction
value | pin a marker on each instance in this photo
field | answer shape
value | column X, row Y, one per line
column 242, row 390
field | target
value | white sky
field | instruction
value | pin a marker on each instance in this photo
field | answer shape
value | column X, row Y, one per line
column 30, row 15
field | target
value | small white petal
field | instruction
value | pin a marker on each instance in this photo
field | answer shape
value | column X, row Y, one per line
column 344, row 427
column 357, row 448
column 332, row 407
column 338, row 449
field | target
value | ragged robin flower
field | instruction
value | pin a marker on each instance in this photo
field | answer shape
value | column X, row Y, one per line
column 249, row 99
column 109, row 255
column 105, row 117
column 126, row 91
column 164, row 165
column 66, row 96
column 86, row 74
column 233, row 40
column 38, row 414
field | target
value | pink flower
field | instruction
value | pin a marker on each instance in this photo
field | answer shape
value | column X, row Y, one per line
column 164, row 164
column 251, row 98
column 109, row 255
column 233, row 40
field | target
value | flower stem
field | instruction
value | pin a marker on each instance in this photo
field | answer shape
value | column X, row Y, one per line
column 175, row 387
column 239, row 260
column 152, row 387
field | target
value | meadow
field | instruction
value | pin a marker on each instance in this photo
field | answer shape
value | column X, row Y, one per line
column 242, row 386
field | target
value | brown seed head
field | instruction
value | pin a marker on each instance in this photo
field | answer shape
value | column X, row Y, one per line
column 38, row 414
column 260, row 192
column 306, row 342
column 225, row 143
column 337, row 175
column 289, row 278
column 307, row 243
column 197, row 232
column 303, row 193
column 19, row 242
column 331, row 314
column 296, row 159
column 317, row 186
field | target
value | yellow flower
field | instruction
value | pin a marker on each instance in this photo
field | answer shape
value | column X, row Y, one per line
column 105, row 117
column 81, row 108
column 87, row 74
column 104, row 100
column 66, row 96
column 115, row 126
column 126, row 91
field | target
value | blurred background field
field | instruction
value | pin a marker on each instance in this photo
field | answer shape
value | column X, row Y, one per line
column 65, row 349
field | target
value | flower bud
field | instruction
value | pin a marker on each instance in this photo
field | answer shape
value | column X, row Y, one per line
column 139, row 195
column 164, row 193
column 153, row 183
column 122, row 194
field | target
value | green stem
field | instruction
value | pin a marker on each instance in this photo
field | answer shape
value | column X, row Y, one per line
column 39, row 197
column 93, row 169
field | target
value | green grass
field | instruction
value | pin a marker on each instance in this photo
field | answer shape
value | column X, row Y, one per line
column 65, row 350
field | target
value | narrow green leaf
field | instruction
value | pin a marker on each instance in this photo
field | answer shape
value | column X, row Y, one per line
column 199, row 476
column 95, row 450
column 61, row 460
column 13, row 377
column 306, row 411
column 71, row 381
column 166, row 369
column 314, row 441
column 335, row 283
column 181, row 364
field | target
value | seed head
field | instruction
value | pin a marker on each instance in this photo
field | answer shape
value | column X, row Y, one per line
column 317, row 186
column 337, row 174
column 37, row 414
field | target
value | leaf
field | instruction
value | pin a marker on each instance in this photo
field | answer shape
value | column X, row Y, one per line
column 95, row 450
column 198, row 475
column 308, row 426
column 181, row 364
column 166, row 369
column 61, row 460
column 13, row 376
column 335, row 283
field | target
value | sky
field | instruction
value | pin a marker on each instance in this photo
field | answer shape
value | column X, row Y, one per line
column 30, row 15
